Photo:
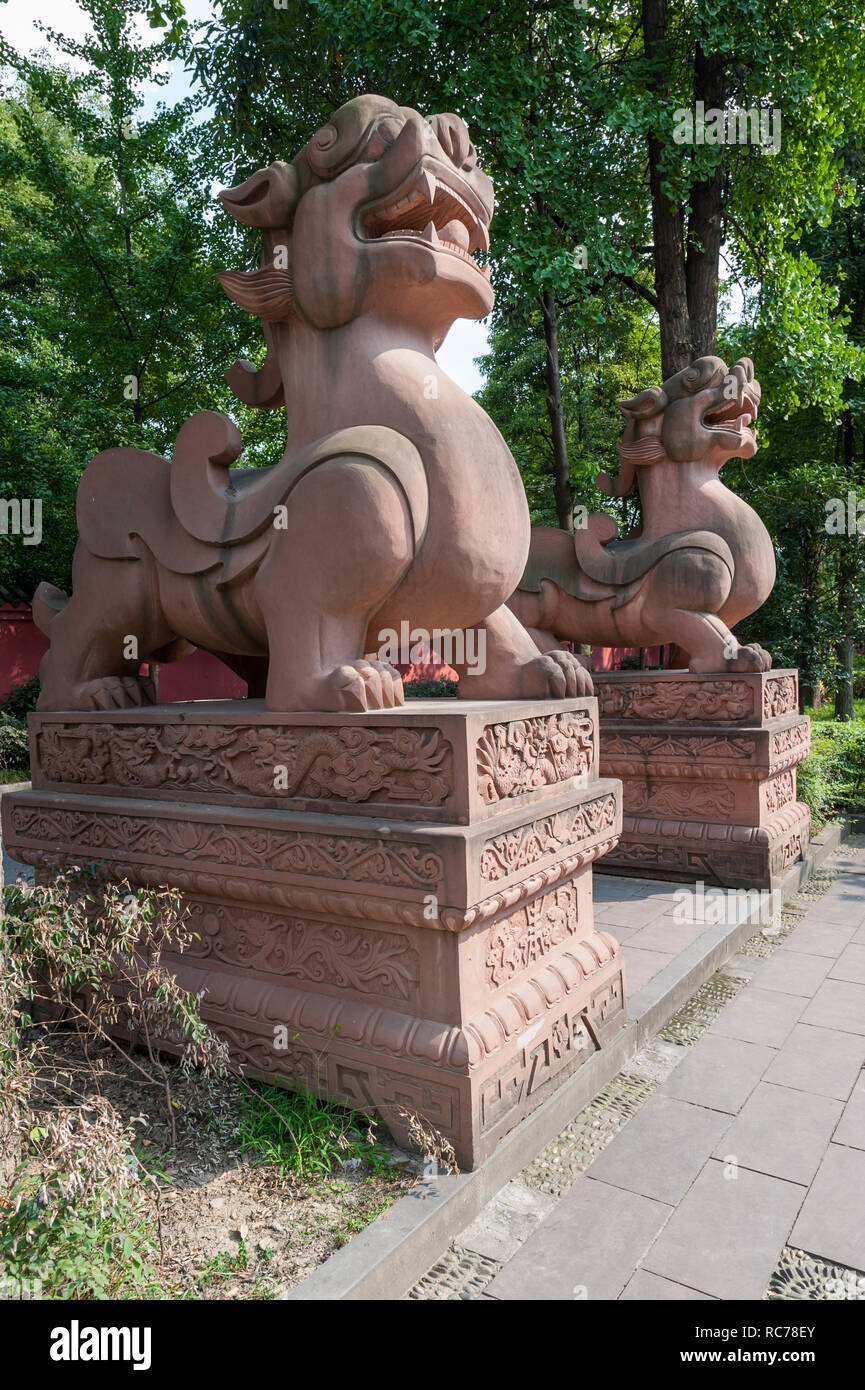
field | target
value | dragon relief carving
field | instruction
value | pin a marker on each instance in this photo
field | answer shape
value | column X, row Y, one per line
column 780, row 790
column 351, row 764
column 779, row 697
column 669, row 699
column 530, row 753
column 323, row 952
column 795, row 740
column 530, row 933
column 706, row 799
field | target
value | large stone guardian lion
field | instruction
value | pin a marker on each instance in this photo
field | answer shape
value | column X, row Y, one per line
column 396, row 498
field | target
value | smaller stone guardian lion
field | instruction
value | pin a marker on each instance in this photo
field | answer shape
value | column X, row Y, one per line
column 703, row 559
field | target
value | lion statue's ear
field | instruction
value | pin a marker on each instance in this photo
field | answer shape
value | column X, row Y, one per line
column 649, row 402
column 647, row 405
column 265, row 200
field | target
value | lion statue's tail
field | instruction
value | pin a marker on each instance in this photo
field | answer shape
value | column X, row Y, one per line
column 48, row 601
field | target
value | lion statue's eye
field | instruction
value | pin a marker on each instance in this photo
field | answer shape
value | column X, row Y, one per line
column 382, row 138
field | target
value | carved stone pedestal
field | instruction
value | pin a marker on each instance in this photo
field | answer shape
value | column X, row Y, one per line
column 708, row 769
column 393, row 909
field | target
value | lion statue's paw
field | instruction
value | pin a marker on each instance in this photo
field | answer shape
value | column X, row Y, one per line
column 357, row 685
column 106, row 693
column 752, row 658
column 557, row 673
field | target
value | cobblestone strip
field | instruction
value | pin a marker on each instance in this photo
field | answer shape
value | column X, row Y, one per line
column 798, row 1275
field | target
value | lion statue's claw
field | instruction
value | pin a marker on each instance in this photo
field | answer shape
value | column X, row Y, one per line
column 560, row 674
column 355, row 685
column 753, row 657
column 113, row 692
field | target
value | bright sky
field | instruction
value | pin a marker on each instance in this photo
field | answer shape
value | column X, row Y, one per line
column 466, row 339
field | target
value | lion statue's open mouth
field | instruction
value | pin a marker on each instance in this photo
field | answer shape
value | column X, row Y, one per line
column 737, row 415
column 429, row 207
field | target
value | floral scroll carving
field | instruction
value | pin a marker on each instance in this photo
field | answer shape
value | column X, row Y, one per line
column 329, row 856
column 518, row 849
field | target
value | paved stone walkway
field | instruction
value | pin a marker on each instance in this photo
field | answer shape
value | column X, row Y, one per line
column 728, row 1160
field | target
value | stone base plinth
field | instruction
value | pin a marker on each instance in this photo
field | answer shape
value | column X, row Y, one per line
column 392, row 909
column 708, row 769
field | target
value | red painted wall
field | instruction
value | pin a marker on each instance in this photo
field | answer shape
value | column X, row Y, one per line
column 22, row 646
column 610, row 658
column 197, row 677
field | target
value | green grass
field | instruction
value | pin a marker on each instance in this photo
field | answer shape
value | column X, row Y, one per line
column 14, row 774
column 297, row 1132
column 826, row 713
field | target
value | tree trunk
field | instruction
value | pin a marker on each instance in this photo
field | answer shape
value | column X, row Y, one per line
column 686, row 272
column 846, row 593
column 669, row 246
column 561, row 471
column 704, row 222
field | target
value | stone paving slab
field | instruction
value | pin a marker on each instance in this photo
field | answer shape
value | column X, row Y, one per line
column 781, row 1132
column 816, row 937
column 850, row 965
column 665, row 934
column 720, row 1073
column 587, row 1248
column 831, row 1223
column 725, row 1236
column 838, row 1004
column 642, row 966
column 851, row 1128
column 507, row 1221
column 821, row 1060
column 645, row 1286
column 609, row 888
column 629, row 914
column 837, row 912
column 794, row 972
column 760, row 1016
column 662, row 1149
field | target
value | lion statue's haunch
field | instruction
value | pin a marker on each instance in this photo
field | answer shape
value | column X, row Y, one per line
column 703, row 559
column 396, row 498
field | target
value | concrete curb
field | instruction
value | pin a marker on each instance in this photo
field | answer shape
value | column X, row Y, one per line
column 386, row 1259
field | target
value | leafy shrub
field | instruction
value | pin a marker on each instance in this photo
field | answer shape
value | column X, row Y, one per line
column 429, row 690
column 74, row 1222
column 831, row 779
column 14, row 745
column 21, row 700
